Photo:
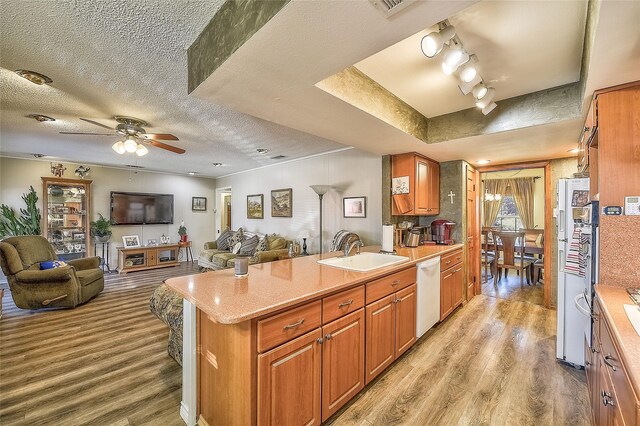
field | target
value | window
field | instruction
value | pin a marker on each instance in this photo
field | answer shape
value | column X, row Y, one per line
column 508, row 218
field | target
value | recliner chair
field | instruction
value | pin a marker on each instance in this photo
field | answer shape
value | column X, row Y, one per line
column 31, row 288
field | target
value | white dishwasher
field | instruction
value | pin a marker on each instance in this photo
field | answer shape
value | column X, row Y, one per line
column 428, row 295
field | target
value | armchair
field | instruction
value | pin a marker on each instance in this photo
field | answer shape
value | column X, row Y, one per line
column 32, row 288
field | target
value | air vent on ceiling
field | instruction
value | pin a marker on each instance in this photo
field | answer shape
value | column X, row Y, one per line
column 390, row 7
column 278, row 157
column 131, row 166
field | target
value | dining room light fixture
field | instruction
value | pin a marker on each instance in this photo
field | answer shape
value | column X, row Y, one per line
column 456, row 60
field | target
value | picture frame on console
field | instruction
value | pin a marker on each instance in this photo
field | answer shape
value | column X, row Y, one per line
column 282, row 202
column 131, row 241
column 199, row 204
column 354, row 207
column 255, row 206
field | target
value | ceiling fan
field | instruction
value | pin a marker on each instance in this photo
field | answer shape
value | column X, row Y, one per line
column 135, row 136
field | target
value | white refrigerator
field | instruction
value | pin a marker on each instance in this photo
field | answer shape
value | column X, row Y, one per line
column 573, row 194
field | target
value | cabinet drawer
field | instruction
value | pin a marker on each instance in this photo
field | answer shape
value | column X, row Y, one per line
column 390, row 284
column 625, row 396
column 282, row 327
column 340, row 304
column 450, row 260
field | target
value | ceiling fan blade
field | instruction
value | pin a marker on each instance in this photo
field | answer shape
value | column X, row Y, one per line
column 161, row 136
column 94, row 134
column 96, row 123
column 167, row 147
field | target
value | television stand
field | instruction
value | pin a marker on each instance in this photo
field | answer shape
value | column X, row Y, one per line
column 150, row 257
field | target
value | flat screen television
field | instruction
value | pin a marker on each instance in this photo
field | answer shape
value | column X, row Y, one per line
column 132, row 208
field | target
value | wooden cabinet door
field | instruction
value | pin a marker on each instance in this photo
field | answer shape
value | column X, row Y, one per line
column 433, row 189
column 380, row 336
column 422, row 202
column 289, row 382
column 457, row 286
column 152, row 257
column 342, row 361
column 405, row 319
column 473, row 237
column 446, row 293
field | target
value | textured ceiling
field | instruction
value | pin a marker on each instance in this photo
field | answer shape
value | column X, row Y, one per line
column 510, row 59
column 124, row 58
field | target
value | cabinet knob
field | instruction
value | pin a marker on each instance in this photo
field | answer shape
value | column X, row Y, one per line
column 327, row 337
column 319, row 340
column 607, row 399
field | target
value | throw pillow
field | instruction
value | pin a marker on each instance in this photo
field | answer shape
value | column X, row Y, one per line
column 236, row 238
column 51, row 264
column 248, row 246
column 223, row 240
column 277, row 243
column 263, row 245
column 236, row 248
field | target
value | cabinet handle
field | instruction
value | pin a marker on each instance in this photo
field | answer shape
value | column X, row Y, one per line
column 319, row 340
column 327, row 337
column 347, row 303
column 294, row 325
column 607, row 360
column 395, row 283
column 607, row 399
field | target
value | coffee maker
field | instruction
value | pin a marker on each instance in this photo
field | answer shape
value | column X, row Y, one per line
column 441, row 231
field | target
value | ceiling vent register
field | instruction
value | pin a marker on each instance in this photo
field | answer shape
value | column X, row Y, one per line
column 390, row 7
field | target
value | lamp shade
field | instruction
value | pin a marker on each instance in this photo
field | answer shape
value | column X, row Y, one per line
column 130, row 145
column 119, row 147
column 141, row 150
column 304, row 234
column 321, row 189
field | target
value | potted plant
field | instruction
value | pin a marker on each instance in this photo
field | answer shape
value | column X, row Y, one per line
column 28, row 223
column 182, row 231
column 101, row 229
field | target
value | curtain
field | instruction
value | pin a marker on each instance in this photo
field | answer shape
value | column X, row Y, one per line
column 492, row 208
column 522, row 191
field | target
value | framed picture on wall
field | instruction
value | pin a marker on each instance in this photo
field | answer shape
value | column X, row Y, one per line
column 354, row 206
column 255, row 206
column 199, row 204
column 282, row 202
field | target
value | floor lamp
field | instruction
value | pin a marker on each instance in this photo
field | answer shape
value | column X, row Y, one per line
column 321, row 190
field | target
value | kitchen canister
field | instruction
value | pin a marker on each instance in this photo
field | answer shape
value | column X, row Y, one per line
column 242, row 266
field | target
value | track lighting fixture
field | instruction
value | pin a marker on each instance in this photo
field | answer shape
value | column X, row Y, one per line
column 456, row 60
column 433, row 42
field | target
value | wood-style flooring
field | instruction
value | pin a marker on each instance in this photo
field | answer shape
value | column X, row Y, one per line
column 105, row 363
column 101, row 363
column 509, row 288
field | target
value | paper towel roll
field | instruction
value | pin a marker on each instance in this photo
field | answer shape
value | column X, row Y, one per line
column 387, row 238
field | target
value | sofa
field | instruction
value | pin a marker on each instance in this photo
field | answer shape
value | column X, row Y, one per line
column 213, row 257
column 31, row 287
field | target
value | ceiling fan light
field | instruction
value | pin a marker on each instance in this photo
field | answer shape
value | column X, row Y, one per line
column 119, row 147
column 130, row 145
column 141, row 150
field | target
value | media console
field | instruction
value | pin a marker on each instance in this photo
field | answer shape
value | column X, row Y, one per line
column 150, row 257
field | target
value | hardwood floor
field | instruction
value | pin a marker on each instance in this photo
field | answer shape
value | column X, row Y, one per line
column 492, row 362
column 102, row 363
column 509, row 288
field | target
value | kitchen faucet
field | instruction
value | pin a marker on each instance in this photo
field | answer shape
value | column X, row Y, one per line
column 357, row 244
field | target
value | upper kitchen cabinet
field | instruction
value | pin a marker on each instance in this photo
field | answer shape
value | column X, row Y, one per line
column 415, row 185
column 614, row 143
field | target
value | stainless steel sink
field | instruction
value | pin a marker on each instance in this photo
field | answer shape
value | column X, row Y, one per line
column 364, row 262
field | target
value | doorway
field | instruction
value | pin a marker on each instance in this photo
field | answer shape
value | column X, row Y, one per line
column 223, row 210
column 514, row 203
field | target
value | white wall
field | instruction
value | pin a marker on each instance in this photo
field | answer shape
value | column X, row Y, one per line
column 17, row 174
column 352, row 172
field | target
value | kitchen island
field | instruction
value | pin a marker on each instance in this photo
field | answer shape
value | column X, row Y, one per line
column 295, row 340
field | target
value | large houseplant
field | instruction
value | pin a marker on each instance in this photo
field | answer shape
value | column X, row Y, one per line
column 28, row 223
column 101, row 229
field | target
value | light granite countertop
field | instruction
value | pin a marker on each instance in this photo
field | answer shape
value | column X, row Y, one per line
column 273, row 286
column 624, row 335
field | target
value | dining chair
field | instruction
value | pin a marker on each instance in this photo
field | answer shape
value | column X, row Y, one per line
column 512, row 256
column 533, row 238
column 488, row 252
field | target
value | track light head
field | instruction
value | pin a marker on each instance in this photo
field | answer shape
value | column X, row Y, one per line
column 453, row 58
column 486, row 99
column 479, row 91
column 433, row 43
column 486, row 110
column 466, row 88
column 469, row 71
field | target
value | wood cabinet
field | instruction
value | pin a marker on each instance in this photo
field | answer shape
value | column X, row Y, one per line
column 610, row 146
column 391, row 329
column 451, row 283
column 613, row 399
column 289, row 382
column 142, row 258
column 422, row 197
column 66, row 214
column 342, row 361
